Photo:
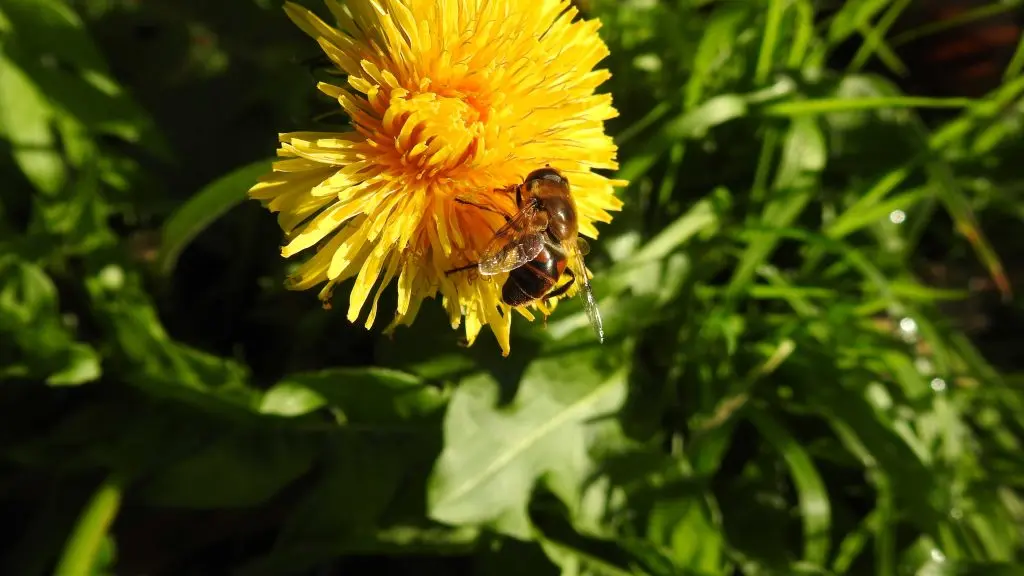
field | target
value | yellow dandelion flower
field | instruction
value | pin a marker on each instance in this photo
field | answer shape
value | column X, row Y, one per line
column 448, row 99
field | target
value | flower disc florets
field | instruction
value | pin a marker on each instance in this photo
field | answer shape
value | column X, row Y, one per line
column 447, row 99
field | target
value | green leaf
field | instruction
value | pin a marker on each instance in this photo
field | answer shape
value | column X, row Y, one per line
column 25, row 120
column 347, row 510
column 576, row 561
column 31, row 324
column 26, row 291
column 363, row 396
column 396, row 541
column 291, row 399
column 242, row 469
column 494, row 455
column 50, row 44
column 513, row 558
column 682, row 528
column 205, row 207
column 152, row 360
column 83, row 366
column 52, row 27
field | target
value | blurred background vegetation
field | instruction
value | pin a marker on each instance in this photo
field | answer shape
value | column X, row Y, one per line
column 814, row 357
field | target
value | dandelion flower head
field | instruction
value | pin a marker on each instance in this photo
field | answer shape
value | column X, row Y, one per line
column 446, row 99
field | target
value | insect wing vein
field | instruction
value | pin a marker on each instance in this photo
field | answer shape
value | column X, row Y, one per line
column 514, row 244
column 589, row 304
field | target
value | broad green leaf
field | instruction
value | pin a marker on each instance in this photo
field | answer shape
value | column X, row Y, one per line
column 398, row 540
column 151, row 359
column 512, row 558
column 494, row 456
column 53, row 27
column 682, row 528
column 360, row 481
column 26, row 292
column 83, row 366
column 575, row 561
column 50, row 44
column 25, row 120
column 362, row 396
column 31, row 323
column 210, row 203
column 359, row 491
column 291, row 399
column 241, row 469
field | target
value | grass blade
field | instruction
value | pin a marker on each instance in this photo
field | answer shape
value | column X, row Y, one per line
column 772, row 25
column 83, row 547
column 815, row 507
column 204, row 208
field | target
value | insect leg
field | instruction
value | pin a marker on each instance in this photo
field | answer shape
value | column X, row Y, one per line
column 461, row 268
column 483, row 207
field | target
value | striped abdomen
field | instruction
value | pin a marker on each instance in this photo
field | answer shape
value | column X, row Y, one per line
column 534, row 279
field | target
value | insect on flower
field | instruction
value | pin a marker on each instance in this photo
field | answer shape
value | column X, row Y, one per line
column 535, row 245
column 448, row 100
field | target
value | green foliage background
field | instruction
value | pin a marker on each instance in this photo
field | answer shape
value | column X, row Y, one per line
column 796, row 380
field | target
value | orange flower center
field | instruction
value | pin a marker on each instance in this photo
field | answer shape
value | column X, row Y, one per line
column 432, row 134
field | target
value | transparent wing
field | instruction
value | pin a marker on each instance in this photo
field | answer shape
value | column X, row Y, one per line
column 513, row 255
column 589, row 304
column 514, row 244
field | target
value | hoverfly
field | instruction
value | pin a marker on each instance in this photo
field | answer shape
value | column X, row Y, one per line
column 535, row 246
